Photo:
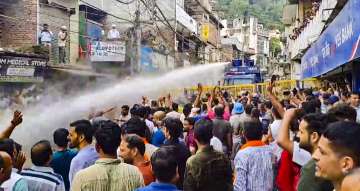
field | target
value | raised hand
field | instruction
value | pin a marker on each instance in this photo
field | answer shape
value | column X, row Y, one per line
column 17, row 118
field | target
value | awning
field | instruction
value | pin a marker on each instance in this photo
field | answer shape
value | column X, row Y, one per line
column 80, row 72
column 186, row 20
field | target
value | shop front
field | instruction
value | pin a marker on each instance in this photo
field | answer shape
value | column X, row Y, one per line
column 337, row 51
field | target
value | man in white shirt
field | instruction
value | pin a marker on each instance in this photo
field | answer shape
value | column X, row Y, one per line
column 113, row 34
column 355, row 103
column 125, row 115
column 62, row 37
column 273, row 133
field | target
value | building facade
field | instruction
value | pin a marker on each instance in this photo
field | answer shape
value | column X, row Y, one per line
column 249, row 39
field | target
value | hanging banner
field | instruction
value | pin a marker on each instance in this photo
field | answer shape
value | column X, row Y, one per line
column 111, row 51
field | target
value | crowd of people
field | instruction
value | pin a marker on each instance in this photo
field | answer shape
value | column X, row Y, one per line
column 306, row 141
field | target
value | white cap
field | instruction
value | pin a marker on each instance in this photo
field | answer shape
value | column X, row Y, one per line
column 113, row 25
column 63, row 28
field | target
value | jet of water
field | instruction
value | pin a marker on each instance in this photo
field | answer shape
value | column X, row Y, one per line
column 42, row 119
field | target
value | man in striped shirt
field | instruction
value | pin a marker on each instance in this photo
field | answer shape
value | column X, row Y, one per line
column 41, row 176
column 108, row 173
column 254, row 162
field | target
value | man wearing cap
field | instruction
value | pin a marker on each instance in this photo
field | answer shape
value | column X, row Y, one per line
column 113, row 34
column 62, row 37
column 236, row 121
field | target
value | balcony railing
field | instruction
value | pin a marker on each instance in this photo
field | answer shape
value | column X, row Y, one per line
column 313, row 30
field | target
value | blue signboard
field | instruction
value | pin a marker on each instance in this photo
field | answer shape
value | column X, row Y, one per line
column 147, row 59
column 242, row 70
column 337, row 45
column 94, row 31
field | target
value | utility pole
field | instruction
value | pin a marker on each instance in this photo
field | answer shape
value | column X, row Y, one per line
column 138, row 39
column 175, row 35
column 135, row 54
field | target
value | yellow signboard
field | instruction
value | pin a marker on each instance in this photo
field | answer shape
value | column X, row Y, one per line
column 205, row 31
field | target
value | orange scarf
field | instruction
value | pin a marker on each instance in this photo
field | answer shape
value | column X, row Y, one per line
column 145, row 141
column 252, row 144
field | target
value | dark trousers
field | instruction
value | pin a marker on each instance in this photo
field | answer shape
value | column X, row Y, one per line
column 62, row 54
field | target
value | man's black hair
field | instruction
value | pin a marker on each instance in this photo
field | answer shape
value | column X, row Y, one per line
column 125, row 107
column 216, row 101
column 84, row 127
column 308, row 92
column 255, row 113
column 135, row 110
column 154, row 103
column 174, row 126
column 187, row 109
column 108, row 137
column 41, row 153
column 8, row 146
column 203, row 131
column 219, row 111
column 135, row 141
column 326, row 96
column 175, row 107
column 142, row 111
column 344, row 139
column 164, row 163
column 268, row 104
column 248, row 108
column 135, row 126
column 147, row 112
column 253, row 130
column 316, row 102
column 317, row 122
column 308, row 107
column 343, row 112
column 60, row 137
column 191, row 120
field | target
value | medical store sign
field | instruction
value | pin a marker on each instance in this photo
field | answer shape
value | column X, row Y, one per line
column 21, row 69
column 337, row 45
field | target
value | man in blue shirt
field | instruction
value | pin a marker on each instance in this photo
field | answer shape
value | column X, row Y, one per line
column 61, row 159
column 164, row 166
column 80, row 137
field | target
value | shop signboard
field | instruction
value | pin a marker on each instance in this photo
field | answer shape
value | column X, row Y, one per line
column 337, row 45
column 21, row 69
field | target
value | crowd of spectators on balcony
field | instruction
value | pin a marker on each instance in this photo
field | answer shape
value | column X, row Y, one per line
column 309, row 16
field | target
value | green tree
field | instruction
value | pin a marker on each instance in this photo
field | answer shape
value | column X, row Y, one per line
column 269, row 12
column 275, row 46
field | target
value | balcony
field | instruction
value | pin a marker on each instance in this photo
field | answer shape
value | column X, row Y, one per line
column 313, row 30
column 186, row 20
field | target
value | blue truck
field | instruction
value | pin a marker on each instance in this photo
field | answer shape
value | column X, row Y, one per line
column 241, row 72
